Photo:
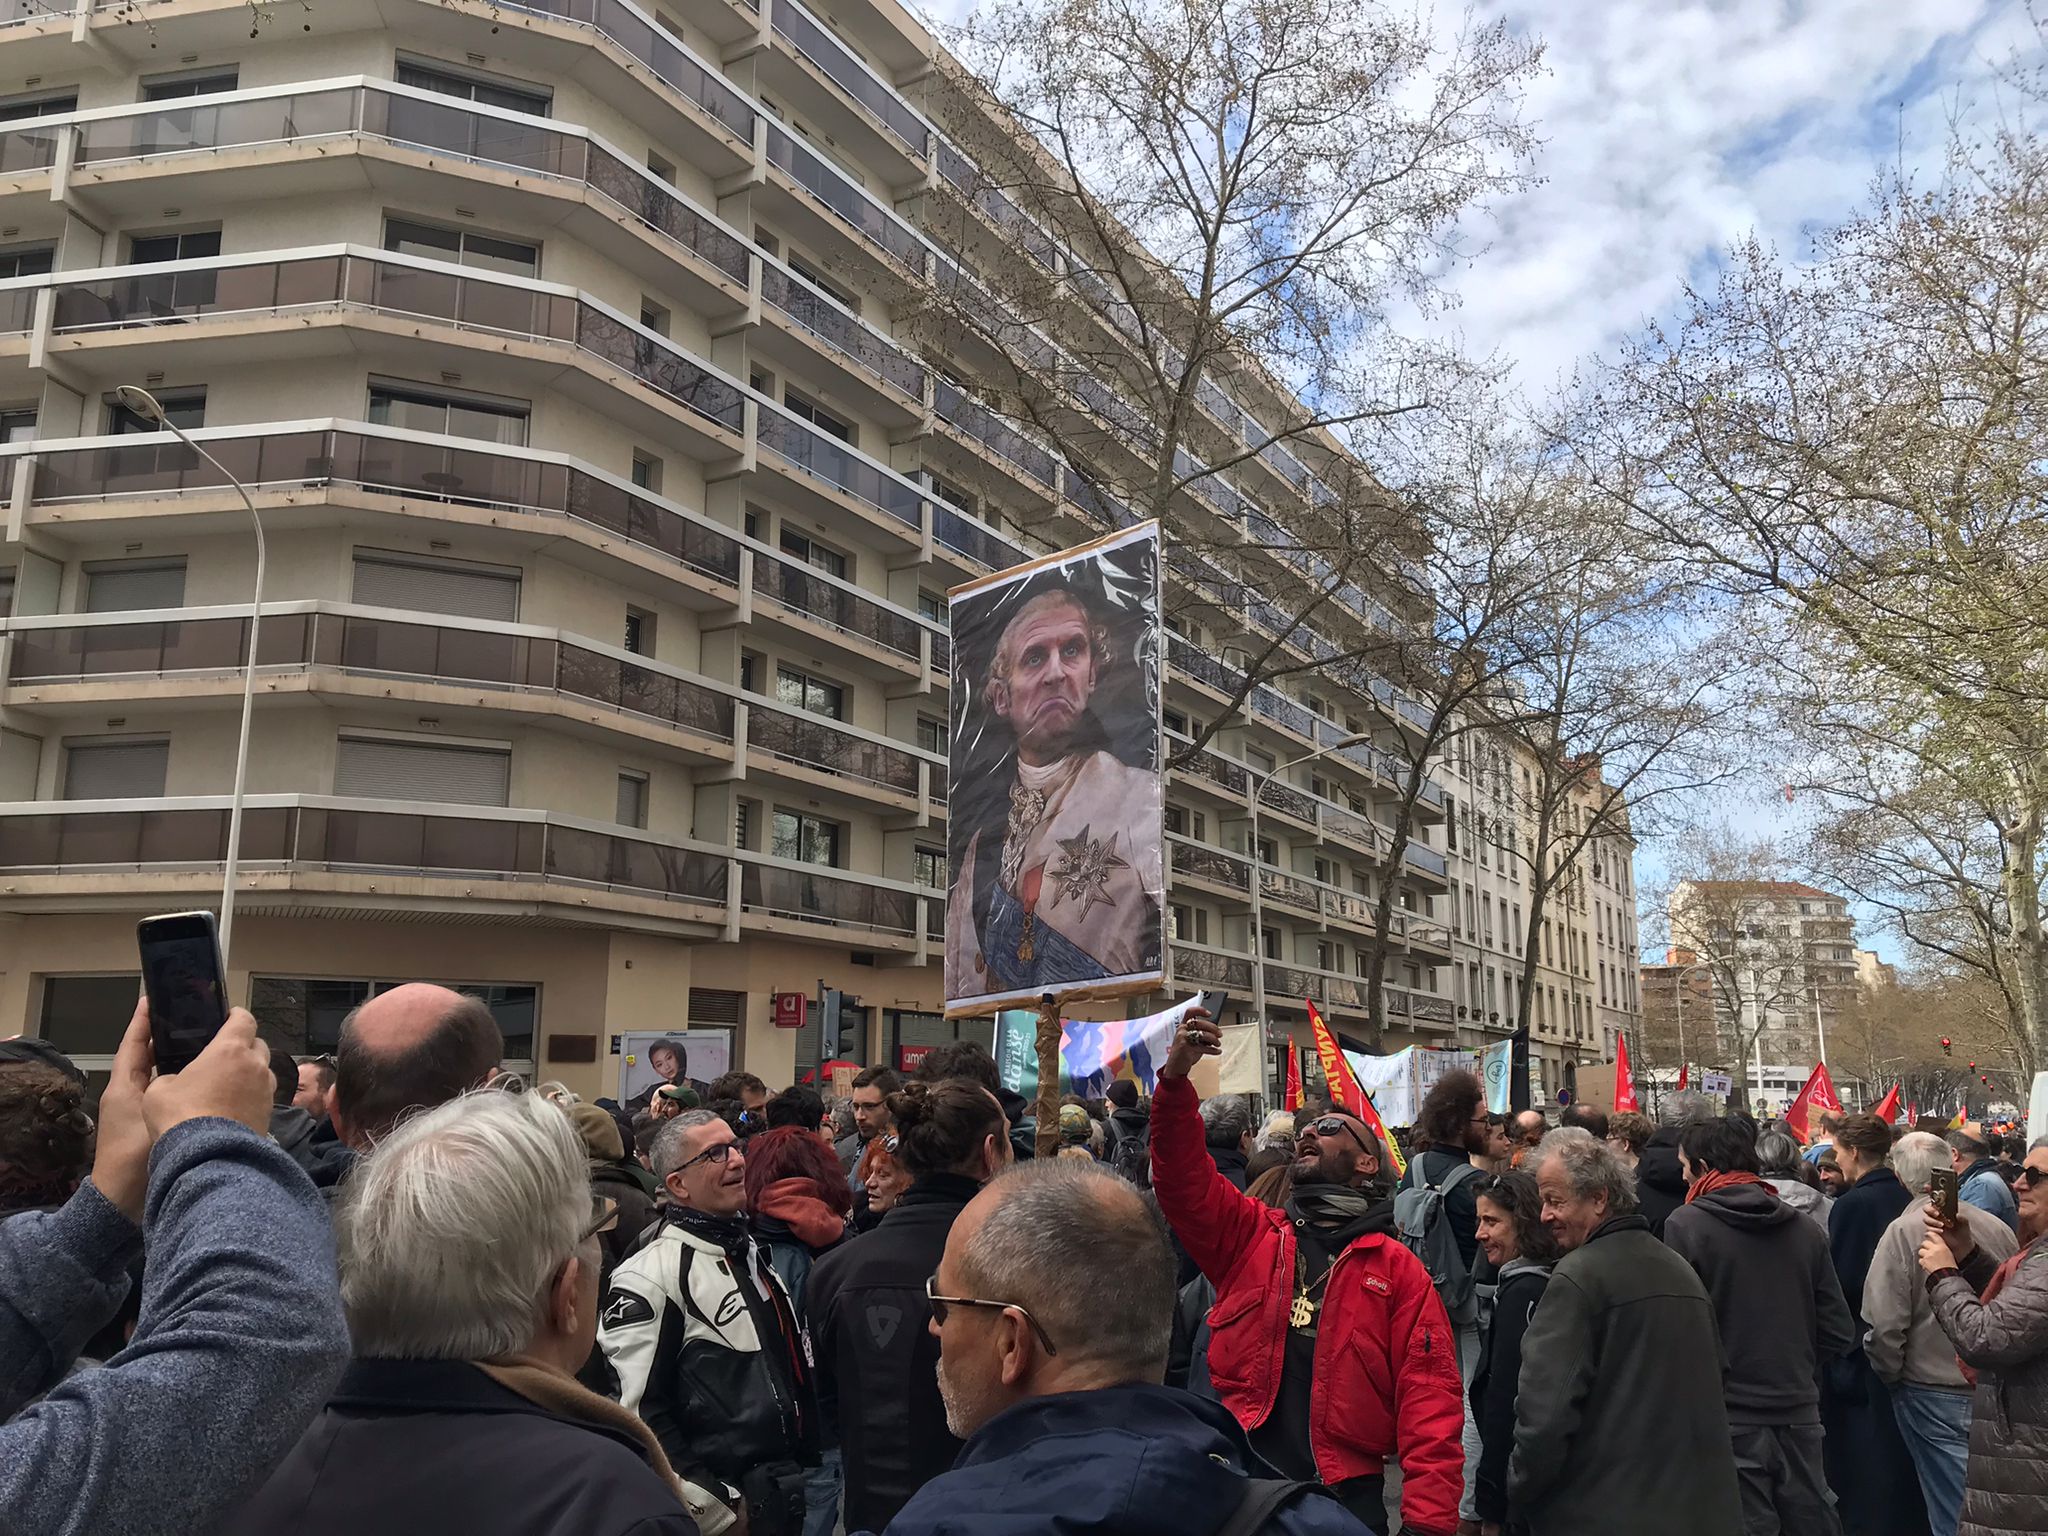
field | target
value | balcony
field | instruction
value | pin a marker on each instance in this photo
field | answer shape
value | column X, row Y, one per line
column 1023, row 462
column 855, row 218
column 698, row 715
column 842, row 334
column 323, row 844
column 872, row 102
column 1195, row 964
column 293, row 459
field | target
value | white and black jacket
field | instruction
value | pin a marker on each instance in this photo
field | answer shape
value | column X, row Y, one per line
column 708, row 1350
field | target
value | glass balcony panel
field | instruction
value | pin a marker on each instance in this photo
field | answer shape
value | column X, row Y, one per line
column 818, row 45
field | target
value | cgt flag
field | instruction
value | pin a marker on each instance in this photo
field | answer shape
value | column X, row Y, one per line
column 1819, row 1093
column 1292, row 1101
column 1888, row 1107
column 1345, row 1090
column 1624, row 1080
column 1684, row 1076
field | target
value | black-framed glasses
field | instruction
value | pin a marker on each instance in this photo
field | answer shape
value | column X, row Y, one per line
column 1330, row 1125
column 604, row 1216
column 940, row 1303
column 719, row 1152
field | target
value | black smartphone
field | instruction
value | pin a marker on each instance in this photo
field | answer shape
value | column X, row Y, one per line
column 185, row 985
column 1942, row 1189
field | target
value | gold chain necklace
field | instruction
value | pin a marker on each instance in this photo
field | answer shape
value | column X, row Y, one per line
column 1305, row 1306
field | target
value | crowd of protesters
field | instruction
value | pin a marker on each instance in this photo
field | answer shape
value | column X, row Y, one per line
column 395, row 1290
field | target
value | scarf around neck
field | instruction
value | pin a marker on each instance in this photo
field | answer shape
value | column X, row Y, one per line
column 1329, row 1205
column 1707, row 1183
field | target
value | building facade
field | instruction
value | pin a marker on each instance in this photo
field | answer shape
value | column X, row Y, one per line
column 1584, row 994
column 610, row 511
column 1779, row 960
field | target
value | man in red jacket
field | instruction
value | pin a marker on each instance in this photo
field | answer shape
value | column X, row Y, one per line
column 1327, row 1339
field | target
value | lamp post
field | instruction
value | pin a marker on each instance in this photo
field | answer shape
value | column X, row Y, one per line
column 1258, row 880
column 146, row 406
column 1678, row 1002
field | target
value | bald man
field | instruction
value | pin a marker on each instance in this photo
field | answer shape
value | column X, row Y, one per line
column 413, row 1047
column 1053, row 1308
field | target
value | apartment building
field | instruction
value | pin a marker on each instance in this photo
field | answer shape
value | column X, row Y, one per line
column 1586, row 989
column 1778, row 951
column 611, row 497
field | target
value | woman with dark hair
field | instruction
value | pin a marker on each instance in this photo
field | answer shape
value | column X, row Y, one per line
column 1868, row 1465
column 951, row 1137
column 1521, row 1250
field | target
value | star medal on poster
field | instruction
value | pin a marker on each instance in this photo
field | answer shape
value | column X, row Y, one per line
column 1083, row 871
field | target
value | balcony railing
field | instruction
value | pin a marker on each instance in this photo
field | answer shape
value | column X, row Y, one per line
column 977, row 541
column 1200, row 862
column 965, row 177
column 1325, row 988
column 383, row 460
column 301, row 832
column 876, row 224
column 824, row 457
column 817, row 315
column 1212, row 967
column 987, row 428
column 814, row 41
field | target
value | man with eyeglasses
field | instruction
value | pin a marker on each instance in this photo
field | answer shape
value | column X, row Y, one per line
column 1327, row 1341
column 1053, row 1308
column 706, row 1345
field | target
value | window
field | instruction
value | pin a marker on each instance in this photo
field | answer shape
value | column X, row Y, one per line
column 423, row 584
column 182, row 408
column 513, row 95
column 18, row 424
column 1176, row 722
column 122, row 586
column 646, row 471
column 88, row 1015
column 1269, row 941
column 929, row 868
column 822, row 283
column 1268, row 851
column 41, row 104
column 387, row 768
column 26, row 260
column 639, row 638
column 799, row 690
column 800, row 546
column 632, row 810
column 931, row 605
column 809, row 410
column 946, row 491
column 806, row 839
column 653, row 317
column 451, row 413
column 933, row 734
column 1187, row 924
column 191, row 245
column 750, row 671
column 464, row 247
column 191, row 82
column 743, row 825
column 6, row 590
column 660, row 169
column 116, row 768
column 1326, row 955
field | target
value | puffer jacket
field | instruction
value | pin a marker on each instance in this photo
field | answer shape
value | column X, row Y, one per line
column 2005, row 1342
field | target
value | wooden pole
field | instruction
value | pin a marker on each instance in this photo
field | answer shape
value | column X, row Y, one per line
column 1048, row 1140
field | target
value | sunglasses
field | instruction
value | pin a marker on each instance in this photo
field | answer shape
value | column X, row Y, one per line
column 941, row 1303
column 1330, row 1125
column 712, row 1154
column 604, row 1216
column 2029, row 1175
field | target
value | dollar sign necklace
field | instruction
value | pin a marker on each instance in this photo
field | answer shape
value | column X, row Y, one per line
column 1303, row 1313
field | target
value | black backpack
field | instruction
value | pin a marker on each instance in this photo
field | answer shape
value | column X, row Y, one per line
column 1264, row 1498
column 1130, row 1154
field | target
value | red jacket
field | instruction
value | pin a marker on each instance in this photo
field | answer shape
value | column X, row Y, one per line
column 1386, row 1372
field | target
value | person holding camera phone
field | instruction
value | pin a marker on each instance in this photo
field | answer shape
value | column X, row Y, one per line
column 707, row 1346
column 241, row 1333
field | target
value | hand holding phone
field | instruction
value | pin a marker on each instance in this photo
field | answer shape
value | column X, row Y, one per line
column 183, row 979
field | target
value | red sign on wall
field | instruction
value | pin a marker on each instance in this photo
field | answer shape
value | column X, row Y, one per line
column 789, row 1010
column 910, row 1057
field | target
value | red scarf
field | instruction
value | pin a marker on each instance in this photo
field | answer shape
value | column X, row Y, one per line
column 1708, row 1182
column 795, row 1203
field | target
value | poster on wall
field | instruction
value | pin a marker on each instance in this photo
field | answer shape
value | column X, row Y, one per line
column 1054, row 780
column 649, row 1058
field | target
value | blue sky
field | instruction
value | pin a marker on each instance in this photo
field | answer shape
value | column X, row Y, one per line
column 1672, row 130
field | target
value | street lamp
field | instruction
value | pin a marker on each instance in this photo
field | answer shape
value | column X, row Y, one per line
column 1258, row 880
column 147, row 407
column 1678, row 1002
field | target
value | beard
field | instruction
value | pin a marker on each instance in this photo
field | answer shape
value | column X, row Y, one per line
column 964, row 1413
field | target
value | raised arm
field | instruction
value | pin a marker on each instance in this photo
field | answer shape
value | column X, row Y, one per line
column 1214, row 1221
column 2010, row 1329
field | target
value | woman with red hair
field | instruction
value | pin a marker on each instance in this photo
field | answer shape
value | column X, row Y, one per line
column 798, row 1199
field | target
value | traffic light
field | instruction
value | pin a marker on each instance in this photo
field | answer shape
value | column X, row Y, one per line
column 1945, row 1050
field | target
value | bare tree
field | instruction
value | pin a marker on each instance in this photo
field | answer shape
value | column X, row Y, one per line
column 1202, row 226
column 1856, row 449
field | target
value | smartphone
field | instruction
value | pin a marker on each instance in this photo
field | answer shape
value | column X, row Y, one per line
column 1213, row 1002
column 1941, row 1189
column 185, row 985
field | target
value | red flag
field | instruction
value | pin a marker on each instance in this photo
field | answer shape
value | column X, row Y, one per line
column 1292, row 1101
column 1346, row 1090
column 1684, row 1076
column 1913, row 1113
column 1888, row 1107
column 1624, row 1080
column 1819, row 1093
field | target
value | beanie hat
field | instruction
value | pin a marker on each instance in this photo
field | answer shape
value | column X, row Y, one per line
column 600, row 1132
